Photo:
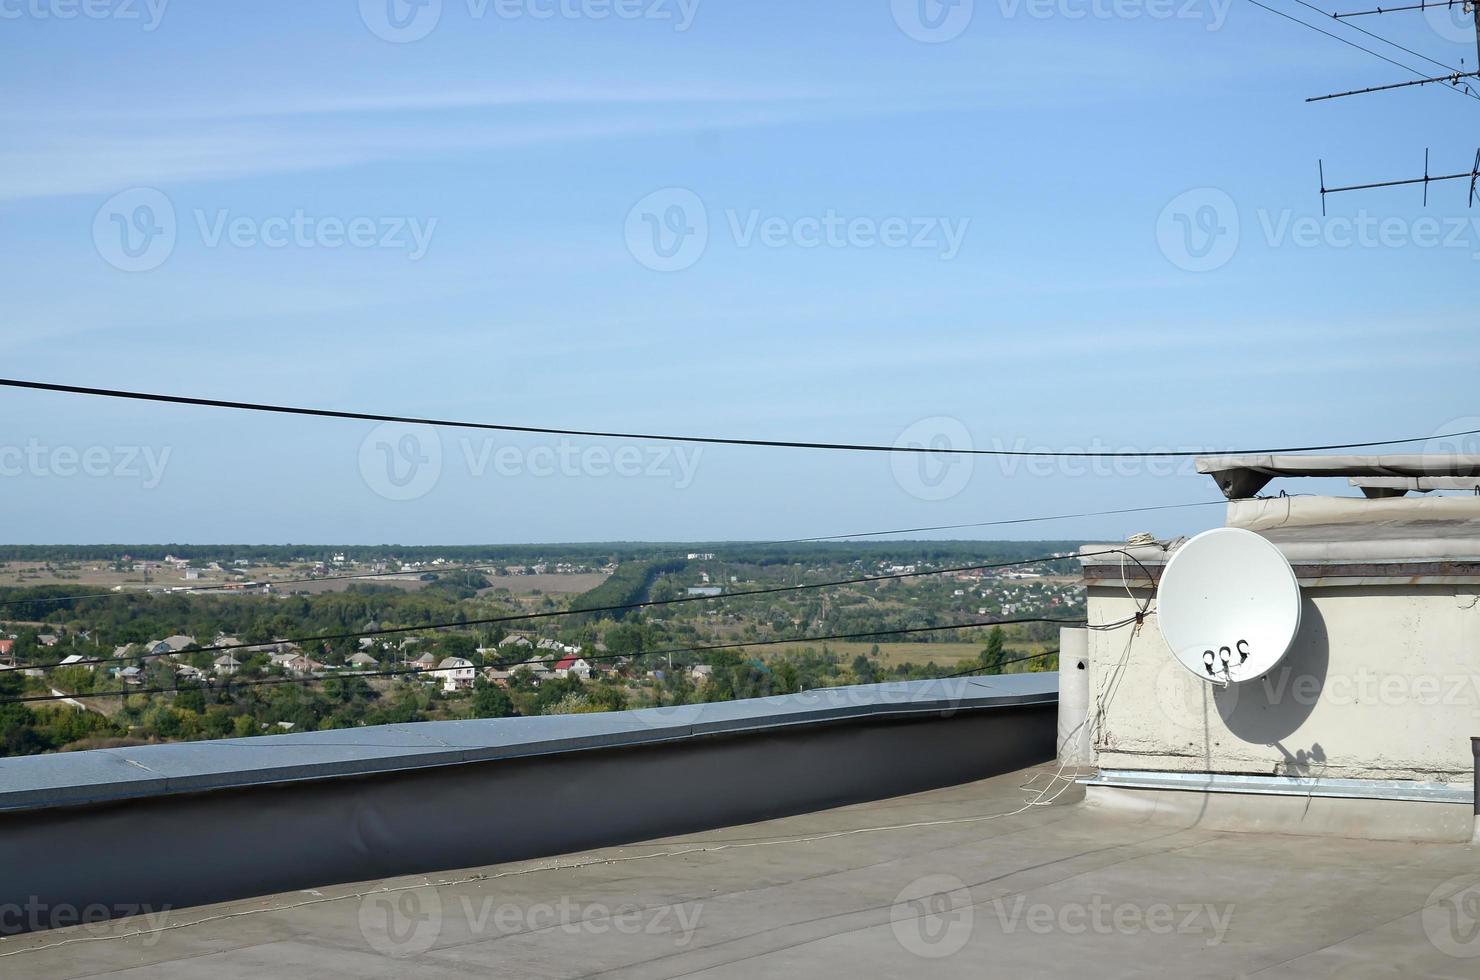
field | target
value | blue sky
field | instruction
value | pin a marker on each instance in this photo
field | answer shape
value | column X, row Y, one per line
column 1032, row 209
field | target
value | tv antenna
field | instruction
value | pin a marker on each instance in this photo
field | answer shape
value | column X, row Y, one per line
column 1456, row 78
column 1473, row 174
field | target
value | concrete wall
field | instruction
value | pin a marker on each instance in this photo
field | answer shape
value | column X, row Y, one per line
column 1383, row 682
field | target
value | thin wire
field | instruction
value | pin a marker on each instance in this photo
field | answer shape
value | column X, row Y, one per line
column 1112, row 685
column 1036, row 656
column 1351, row 43
column 707, row 440
column 1018, row 520
column 556, row 613
column 271, row 681
column 1337, row 37
column 1379, row 37
column 995, row 668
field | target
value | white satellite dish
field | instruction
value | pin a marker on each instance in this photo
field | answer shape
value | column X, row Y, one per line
column 1228, row 605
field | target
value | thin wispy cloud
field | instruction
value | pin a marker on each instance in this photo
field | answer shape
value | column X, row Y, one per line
column 47, row 165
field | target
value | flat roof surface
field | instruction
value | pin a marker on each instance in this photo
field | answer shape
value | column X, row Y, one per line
column 1049, row 891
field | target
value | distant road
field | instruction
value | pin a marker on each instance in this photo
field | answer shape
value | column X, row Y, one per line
column 84, row 706
column 66, row 699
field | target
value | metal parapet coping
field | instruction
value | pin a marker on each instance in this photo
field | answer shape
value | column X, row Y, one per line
column 1354, row 789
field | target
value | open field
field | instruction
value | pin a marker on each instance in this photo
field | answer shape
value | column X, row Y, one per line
column 945, row 654
column 94, row 576
column 408, row 583
column 574, row 582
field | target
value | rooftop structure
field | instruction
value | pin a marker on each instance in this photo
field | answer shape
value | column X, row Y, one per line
column 1240, row 477
column 1364, row 727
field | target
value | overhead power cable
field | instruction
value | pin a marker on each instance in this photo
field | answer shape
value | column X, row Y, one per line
column 1350, row 43
column 996, row 668
column 410, row 671
column 1378, row 37
column 982, row 669
column 1017, row 520
column 706, row 440
column 618, row 607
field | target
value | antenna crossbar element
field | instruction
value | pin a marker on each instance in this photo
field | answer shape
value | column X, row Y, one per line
column 1453, row 79
column 1471, row 7
column 1472, row 175
column 1411, row 6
